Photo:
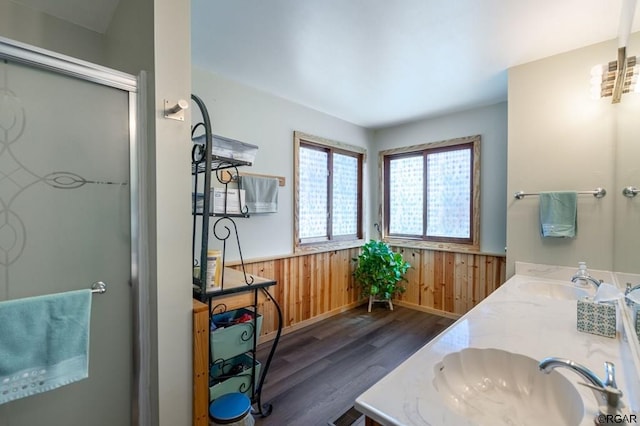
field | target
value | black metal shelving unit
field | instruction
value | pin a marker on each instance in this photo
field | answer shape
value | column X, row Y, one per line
column 204, row 164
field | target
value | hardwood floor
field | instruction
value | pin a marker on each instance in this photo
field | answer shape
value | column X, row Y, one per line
column 318, row 372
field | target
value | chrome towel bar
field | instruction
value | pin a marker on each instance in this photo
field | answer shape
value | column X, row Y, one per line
column 598, row 193
column 99, row 288
column 630, row 191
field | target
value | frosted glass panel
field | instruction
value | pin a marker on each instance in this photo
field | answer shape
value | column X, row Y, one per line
column 406, row 198
column 314, row 203
column 65, row 223
column 345, row 195
column 448, row 194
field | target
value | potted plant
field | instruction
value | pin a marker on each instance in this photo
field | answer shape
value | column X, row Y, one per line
column 380, row 272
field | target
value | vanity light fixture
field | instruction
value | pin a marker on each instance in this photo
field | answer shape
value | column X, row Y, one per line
column 619, row 76
column 616, row 77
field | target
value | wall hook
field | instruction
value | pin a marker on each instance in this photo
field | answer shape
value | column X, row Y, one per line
column 175, row 110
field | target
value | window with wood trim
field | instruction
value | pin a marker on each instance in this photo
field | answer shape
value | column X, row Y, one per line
column 328, row 193
column 431, row 193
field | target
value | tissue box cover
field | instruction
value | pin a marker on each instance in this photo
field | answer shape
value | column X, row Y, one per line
column 597, row 318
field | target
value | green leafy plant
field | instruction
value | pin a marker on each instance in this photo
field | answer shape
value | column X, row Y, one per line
column 380, row 271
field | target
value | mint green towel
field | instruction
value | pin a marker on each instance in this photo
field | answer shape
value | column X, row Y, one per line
column 261, row 194
column 44, row 343
column 558, row 214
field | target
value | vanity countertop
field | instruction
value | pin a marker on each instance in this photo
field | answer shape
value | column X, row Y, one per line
column 513, row 320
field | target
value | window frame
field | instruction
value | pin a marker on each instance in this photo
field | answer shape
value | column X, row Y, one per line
column 442, row 243
column 330, row 242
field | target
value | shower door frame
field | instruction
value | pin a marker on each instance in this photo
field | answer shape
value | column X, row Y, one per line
column 35, row 57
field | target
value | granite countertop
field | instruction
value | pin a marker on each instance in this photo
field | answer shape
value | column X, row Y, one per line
column 514, row 320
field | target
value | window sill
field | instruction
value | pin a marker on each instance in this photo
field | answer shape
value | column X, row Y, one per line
column 327, row 246
column 432, row 245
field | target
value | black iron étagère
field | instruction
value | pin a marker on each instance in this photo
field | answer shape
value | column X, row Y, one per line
column 204, row 164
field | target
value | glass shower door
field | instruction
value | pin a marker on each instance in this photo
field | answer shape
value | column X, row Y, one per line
column 65, row 223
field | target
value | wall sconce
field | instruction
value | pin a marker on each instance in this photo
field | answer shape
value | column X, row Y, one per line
column 616, row 77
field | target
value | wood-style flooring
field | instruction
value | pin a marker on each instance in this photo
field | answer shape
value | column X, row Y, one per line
column 318, row 372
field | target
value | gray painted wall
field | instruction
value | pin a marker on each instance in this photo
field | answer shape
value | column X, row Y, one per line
column 129, row 45
column 561, row 139
column 255, row 117
column 25, row 25
column 246, row 114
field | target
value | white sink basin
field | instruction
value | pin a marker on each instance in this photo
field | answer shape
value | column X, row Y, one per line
column 553, row 290
column 495, row 387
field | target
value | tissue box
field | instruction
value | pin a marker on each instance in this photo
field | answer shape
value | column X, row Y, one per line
column 230, row 197
column 597, row 318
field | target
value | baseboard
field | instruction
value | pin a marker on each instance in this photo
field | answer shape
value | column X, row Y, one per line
column 302, row 324
column 427, row 309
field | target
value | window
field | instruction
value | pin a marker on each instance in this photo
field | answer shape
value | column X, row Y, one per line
column 328, row 193
column 431, row 193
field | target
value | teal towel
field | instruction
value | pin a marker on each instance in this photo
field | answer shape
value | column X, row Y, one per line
column 44, row 343
column 558, row 214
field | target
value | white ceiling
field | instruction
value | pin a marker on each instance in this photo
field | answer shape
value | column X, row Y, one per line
column 377, row 63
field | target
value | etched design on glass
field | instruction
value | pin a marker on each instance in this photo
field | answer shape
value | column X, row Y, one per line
column 13, row 175
column 16, row 176
column 345, row 195
column 448, row 195
column 314, row 201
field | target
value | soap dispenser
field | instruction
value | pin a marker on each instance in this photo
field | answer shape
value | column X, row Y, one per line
column 582, row 275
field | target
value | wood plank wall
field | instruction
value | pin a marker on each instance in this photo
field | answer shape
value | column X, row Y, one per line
column 315, row 286
column 200, row 364
column 450, row 282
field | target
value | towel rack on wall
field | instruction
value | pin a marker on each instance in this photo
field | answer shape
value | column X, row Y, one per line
column 598, row 193
column 99, row 288
column 231, row 177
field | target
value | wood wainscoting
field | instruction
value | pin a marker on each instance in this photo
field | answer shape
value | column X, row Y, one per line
column 449, row 283
column 311, row 287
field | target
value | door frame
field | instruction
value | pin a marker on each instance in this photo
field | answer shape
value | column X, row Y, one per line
column 36, row 57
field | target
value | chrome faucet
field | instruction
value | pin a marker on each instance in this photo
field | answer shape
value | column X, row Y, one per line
column 586, row 277
column 606, row 390
column 630, row 289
